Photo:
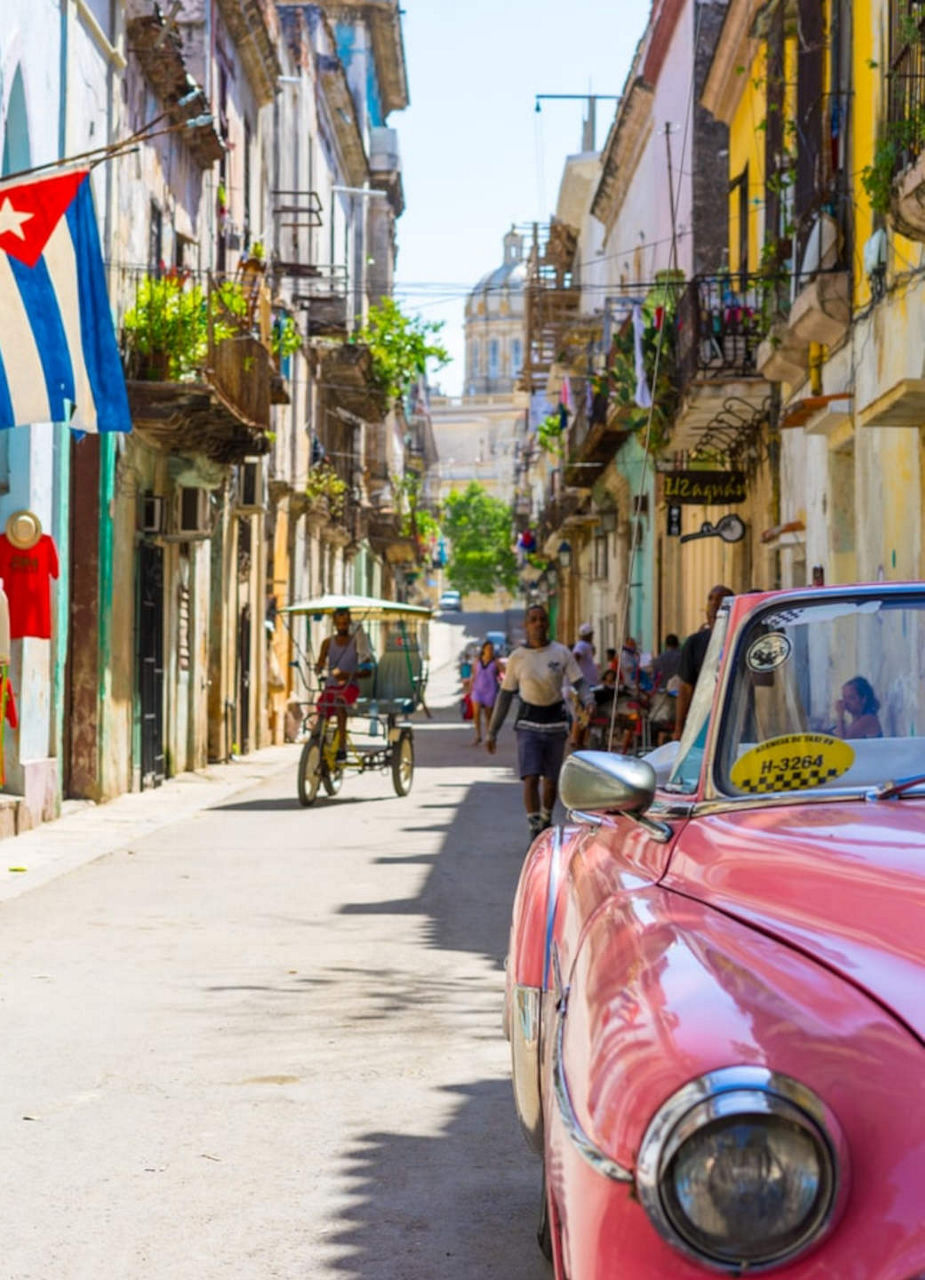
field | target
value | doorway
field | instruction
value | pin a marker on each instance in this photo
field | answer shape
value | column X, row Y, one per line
column 151, row 663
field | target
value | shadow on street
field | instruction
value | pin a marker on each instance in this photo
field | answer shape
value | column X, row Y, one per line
column 453, row 1204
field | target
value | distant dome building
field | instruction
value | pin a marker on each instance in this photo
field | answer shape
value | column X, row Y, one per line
column 495, row 324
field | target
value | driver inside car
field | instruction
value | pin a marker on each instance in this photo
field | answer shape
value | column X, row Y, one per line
column 345, row 655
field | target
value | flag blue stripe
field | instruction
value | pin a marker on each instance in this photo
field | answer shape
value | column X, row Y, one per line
column 41, row 304
column 7, row 416
column 101, row 355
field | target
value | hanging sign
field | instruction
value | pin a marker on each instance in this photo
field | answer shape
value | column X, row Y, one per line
column 730, row 528
column 705, row 488
column 674, row 521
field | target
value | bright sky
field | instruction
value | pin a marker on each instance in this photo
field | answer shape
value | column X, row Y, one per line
column 475, row 154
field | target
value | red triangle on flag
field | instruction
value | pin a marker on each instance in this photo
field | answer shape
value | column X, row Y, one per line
column 30, row 211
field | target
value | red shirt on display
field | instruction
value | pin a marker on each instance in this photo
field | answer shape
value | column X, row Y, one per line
column 27, row 578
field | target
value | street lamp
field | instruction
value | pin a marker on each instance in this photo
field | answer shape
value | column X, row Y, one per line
column 564, row 555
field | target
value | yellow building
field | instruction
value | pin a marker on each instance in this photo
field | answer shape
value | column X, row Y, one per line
column 827, row 185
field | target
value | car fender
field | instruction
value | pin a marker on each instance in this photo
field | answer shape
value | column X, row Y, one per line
column 529, row 981
column 665, row 989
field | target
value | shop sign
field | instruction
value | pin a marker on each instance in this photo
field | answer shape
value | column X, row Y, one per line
column 705, row 488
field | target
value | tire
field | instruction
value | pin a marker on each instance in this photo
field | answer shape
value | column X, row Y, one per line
column 310, row 769
column 332, row 781
column 403, row 763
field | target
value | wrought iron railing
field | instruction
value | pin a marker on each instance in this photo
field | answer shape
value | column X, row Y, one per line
column 720, row 325
column 181, row 326
column 907, row 80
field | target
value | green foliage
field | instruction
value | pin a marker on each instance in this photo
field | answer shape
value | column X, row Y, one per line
column 400, row 346
column 324, row 482
column 168, row 327
column 416, row 520
column 480, row 529
column 549, row 435
column 621, row 381
column 285, row 338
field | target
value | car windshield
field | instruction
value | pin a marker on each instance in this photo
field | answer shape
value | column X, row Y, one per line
column 825, row 695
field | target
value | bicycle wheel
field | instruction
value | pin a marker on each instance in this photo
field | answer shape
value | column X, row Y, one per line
column 403, row 763
column 310, row 770
column 332, row 771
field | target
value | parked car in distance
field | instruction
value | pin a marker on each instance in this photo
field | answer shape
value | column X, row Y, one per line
column 450, row 602
column 714, row 984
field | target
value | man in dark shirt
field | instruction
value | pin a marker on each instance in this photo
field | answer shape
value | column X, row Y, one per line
column 693, row 652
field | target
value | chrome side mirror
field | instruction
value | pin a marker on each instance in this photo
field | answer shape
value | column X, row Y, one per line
column 601, row 780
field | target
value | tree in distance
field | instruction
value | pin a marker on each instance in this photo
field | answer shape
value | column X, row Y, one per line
column 480, row 530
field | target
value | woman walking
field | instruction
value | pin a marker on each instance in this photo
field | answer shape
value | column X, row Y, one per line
column 483, row 688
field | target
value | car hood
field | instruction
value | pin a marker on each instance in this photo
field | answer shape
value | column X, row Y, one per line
column 844, row 882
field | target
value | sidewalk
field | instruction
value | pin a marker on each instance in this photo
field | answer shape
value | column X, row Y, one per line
column 86, row 831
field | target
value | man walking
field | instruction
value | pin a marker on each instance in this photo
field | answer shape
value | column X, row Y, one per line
column 536, row 671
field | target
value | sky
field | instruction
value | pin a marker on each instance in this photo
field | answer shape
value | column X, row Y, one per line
column 476, row 156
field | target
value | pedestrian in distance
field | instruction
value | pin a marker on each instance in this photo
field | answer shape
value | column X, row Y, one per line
column 536, row 671
column 483, row 688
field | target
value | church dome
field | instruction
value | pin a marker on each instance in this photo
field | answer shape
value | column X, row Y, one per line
column 500, row 291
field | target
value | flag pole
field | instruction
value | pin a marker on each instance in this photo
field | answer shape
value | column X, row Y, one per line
column 112, row 149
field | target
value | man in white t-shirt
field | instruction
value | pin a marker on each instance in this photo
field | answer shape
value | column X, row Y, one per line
column 537, row 671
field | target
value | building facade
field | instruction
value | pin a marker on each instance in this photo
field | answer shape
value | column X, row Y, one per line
column 247, row 230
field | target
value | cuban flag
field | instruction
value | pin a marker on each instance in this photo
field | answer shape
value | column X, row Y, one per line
column 59, row 361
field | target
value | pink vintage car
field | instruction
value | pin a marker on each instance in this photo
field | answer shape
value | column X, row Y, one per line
column 715, row 993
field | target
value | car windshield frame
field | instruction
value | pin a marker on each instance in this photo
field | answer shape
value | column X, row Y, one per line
column 687, row 769
column 882, row 600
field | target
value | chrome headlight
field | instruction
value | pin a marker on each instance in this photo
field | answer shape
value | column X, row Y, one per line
column 742, row 1169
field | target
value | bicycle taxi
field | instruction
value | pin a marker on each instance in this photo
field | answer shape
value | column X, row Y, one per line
column 379, row 733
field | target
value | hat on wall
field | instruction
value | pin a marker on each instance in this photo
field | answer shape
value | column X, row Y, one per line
column 586, row 629
column 23, row 529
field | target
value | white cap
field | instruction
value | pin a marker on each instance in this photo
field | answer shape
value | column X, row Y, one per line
column 586, row 629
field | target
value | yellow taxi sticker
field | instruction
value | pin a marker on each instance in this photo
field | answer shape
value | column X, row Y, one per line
column 792, row 763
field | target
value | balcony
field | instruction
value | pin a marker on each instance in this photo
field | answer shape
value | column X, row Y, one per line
column 593, row 440
column 720, row 328
column 158, row 48
column 199, row 374
column 904, row 147
column 551, row 301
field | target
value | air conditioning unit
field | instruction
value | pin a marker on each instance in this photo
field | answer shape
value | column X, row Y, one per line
column 252, row 485
column 193, row 513
column 151, row 513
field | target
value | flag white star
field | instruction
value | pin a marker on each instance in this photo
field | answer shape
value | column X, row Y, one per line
column 11, row 219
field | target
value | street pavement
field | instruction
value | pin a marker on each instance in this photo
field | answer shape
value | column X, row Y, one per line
column 243, row 1039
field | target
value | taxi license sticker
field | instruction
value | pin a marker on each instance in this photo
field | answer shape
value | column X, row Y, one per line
column 768, row 652
column 792, row 763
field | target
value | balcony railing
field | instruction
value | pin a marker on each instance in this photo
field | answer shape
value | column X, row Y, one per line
column 203, row 341
column 907, row 80
column 721, row 321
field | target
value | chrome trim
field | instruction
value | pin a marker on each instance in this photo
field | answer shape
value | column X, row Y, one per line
column 773, row 800
column 659, row 831
column 526, row 1022
column 597, row 1159
column 552, row 898
column 729, row 1091
column 589, row 819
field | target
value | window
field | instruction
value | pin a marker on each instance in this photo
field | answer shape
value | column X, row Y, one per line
column 156, row 238
column 601, row 555
column 517, row 356
column 494, row 358
column 475, row 352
